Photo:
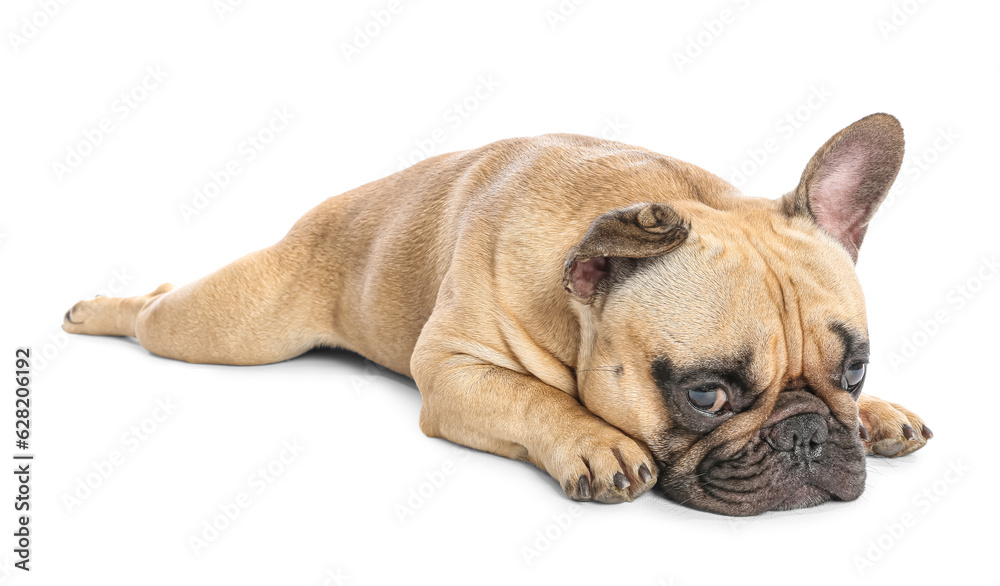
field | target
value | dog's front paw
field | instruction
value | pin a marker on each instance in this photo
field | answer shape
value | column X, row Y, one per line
column 609, row 467
column 893, row 430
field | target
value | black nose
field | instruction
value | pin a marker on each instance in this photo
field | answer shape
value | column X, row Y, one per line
column 803, row 435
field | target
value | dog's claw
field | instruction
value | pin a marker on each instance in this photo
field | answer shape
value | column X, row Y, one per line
column 69, row 317
column 909, row 433
column 645, row 475
column 926, row 432
column 584, row 486
column 621, row 481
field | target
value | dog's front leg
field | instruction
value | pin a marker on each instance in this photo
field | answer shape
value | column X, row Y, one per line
column 488, row 407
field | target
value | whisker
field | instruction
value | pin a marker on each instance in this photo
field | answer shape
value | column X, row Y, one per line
column 601, row 369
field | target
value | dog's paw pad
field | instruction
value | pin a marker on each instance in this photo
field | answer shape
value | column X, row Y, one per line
column 887, row 448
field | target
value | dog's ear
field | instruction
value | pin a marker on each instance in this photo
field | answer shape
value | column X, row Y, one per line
column 848, row 177
column 638, row 231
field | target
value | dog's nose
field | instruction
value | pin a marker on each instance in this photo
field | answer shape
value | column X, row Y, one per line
column 803, row 435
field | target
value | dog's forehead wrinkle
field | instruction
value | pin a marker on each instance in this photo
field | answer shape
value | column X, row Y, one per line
column 799, row 260
column 772, row 252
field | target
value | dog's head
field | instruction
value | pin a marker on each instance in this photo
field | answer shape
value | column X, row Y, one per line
column 731, row 338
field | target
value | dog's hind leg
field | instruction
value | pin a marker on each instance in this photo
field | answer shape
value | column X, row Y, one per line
column 262, row 308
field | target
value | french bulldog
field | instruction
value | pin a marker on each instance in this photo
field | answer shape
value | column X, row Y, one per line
column 616, row 317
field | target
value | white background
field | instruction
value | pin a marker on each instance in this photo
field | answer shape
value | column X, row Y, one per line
column 114, row 222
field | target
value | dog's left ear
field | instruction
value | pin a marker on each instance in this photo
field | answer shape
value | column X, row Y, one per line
column 638, row 231
column 848, row 177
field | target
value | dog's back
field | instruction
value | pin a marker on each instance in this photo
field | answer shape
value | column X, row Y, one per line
column 507, row 212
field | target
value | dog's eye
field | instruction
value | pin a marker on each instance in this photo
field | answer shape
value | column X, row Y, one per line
column 709, row 399
column 853, row 377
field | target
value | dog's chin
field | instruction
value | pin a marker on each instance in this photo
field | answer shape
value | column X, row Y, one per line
column 807, row 496
column 775, row 498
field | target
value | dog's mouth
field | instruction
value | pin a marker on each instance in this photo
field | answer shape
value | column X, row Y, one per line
column 767, row 476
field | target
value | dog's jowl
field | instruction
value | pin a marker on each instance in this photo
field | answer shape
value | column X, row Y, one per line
column 619, row 318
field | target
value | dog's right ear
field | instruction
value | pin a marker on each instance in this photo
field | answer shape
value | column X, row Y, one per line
column 847, row 179
column 642, row 230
